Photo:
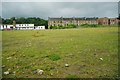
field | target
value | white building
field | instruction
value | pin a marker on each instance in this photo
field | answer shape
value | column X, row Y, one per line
column 22, row 27
column 40, row 27
column 6, row 26
column 25, row 26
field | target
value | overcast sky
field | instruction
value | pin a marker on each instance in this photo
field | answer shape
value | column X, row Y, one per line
column 60, row 0
column 58, row 9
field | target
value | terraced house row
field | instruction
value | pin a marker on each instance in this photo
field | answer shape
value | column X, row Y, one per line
column 78, row 21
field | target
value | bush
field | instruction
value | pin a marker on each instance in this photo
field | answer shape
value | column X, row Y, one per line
column 63, row 27
column 93, row 25
column 72, row 26
column 60, row 27
column 84, row 25
column 89, row 25
column 51, row 27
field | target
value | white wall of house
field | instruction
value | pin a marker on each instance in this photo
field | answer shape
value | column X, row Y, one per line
column 40, row 27
column 23, row 27
column 5, row 26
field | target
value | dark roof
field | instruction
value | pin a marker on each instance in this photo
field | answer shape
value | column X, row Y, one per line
column 61, row 18
column 83, row 18
column 54, row 19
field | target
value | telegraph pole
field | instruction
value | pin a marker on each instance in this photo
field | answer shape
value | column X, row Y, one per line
column 14, row 22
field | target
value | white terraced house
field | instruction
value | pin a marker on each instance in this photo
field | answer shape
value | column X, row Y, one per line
column 6, row 26
column 39, row 27
column 22, row 27
column 25, row 26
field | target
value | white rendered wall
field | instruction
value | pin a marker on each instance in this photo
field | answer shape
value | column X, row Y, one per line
column 24, row 25
column 5, row 26
column 1, row 26
column 40, row 27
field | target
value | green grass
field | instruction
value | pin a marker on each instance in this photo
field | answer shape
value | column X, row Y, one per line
column 49, row 50
column 54, row 57
column 71, row 76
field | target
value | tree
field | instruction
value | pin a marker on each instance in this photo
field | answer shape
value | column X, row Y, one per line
column 30, row 20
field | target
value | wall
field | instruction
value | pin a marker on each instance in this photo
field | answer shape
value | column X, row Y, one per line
column 40, row 27
column 5, row 26
column 78, row 21
column 67, row 21
column 24, row 25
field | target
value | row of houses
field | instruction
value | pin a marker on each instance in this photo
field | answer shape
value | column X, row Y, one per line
column 22, row 27
column 78, row 21
column 63, row 22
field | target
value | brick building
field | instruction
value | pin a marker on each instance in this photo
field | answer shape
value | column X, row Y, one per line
column 78, row 21
column 108, row 21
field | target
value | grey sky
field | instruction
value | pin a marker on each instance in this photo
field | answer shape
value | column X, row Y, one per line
column 60, row 0
column 58, row 9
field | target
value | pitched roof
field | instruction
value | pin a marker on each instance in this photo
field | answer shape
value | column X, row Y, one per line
column 83, row 18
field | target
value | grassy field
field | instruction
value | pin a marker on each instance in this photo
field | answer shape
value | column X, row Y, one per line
column 89, row 53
